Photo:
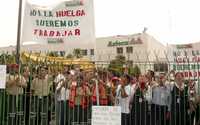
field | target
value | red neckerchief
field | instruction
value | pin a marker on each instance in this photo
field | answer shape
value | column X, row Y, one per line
column 84, row 100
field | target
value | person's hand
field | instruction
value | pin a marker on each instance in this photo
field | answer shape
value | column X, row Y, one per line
column 17, row 79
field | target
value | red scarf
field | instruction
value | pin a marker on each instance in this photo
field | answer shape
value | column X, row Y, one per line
column 84, row 100
column 103, row 100
column 142, row 85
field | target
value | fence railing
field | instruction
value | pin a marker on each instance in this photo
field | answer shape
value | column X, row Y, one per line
column 43, row 93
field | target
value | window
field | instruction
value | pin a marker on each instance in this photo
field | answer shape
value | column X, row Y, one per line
column 129, row 49
column 160, row 67
column 62, row 53
column 91, row 51
column 120, row 50
column 84, row 52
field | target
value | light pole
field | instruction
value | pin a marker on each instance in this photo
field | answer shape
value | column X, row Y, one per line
column 19, row 33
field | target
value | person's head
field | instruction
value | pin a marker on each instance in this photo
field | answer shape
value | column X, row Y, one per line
column 150, row 75
column 115, row 80
column 141, row 78
column 73, row 77
column 171, row 75
column 13, row 68
column 133, row 80
column 77, row 69
column 125, row 79
column 65, row 69
column 26, row 71
column 79, row 80
column 179, row 77
column 191, row 83
column 42, row 71
column 161, row 78
column 172, row 72
column 142, row 81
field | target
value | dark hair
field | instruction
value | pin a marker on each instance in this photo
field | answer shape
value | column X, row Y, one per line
column 127, row 77
column 41, row 67
column 152, row 73
column 179, row 73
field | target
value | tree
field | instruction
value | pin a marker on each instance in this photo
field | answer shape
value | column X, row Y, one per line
column 77, row 53
column 116, row 65
column 135, row 71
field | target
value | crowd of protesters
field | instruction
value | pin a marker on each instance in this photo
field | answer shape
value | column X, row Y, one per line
column 39, row 95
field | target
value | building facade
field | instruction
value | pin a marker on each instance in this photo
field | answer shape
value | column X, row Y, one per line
column 139, row 49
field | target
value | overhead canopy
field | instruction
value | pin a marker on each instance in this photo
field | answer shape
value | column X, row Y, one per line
column 85, row 64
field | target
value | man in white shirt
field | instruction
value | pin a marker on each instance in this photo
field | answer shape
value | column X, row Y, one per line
column 62, row 98
column 123, row 96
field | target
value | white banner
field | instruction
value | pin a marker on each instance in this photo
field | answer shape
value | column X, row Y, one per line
column 106, row 115
column 70, row 23
column 2, row 76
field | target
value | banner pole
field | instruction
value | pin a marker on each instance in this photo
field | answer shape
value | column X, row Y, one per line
column 19, row 33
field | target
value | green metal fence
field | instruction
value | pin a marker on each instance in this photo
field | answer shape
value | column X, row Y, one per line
column 34, row 96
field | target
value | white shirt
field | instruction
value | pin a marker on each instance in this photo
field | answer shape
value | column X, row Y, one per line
column 59, row 77
column 148, row 94
column 124, row 102
column 63, row 94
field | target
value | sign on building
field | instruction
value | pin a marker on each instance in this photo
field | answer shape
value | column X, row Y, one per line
column 186, row 59
column 2, row 76
column 69, row 22
column 133, row 41
column 106, row 115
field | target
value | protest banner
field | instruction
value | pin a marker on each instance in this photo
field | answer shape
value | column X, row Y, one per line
column 106, row 115
column 70, row 23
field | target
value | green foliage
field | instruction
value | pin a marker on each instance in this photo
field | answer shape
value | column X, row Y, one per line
column 135, row 71
column 117, row 64
column 77, row 53
column 6, row 58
